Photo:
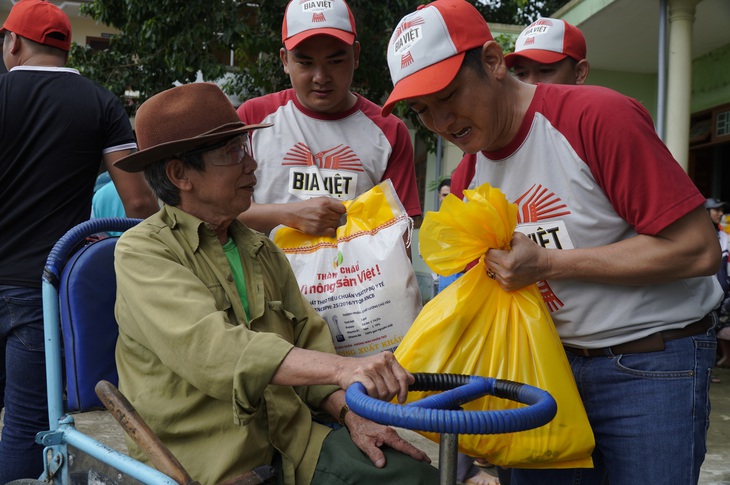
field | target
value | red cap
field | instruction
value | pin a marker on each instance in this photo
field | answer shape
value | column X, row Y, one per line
column 427, row 48
column 41, row 22
column 306, row 18
column 547, row 41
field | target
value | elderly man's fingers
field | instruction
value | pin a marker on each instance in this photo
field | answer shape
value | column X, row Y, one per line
column 398, row 443
column 370, row 437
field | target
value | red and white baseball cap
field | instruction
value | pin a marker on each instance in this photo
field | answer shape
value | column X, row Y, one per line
column 427, row 48
column 40, row 22
column 547, row 41
column 306, row 18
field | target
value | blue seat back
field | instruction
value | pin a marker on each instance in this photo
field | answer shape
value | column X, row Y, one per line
column 87, row 293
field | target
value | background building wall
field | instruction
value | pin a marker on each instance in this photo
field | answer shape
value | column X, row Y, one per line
column 711, row 79
column 642, row 87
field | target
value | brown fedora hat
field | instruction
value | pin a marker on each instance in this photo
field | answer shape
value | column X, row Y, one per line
column 181, row 119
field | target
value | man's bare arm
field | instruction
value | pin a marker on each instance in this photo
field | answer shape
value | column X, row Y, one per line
column 319, row 216
column 133, row 189
column 381, row 374
column 687, row 248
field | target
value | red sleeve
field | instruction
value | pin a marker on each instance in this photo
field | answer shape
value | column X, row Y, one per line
column 246, row 111
column 401, row 169
column 641, row 178
column 463, row 175
column 255, row 110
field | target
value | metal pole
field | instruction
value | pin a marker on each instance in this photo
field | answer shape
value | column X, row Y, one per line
column 448, row 448
column 439, row 156
column 52, row 336
column 662, row 72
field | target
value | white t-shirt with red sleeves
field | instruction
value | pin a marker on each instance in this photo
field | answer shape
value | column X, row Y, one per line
column 310, row 154
column 587, row 169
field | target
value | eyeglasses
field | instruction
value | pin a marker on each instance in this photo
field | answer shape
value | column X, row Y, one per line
column 236, row 150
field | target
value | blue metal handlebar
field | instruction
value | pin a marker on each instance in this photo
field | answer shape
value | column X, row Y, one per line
column 439, row 413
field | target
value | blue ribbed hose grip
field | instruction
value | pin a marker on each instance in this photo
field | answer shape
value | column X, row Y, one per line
column 65, row 246
column 439, row 413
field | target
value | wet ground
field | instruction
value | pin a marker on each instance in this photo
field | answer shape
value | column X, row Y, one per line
column 715, row 471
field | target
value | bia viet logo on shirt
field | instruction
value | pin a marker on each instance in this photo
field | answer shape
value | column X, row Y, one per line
column 332, row 172
column 538, row 209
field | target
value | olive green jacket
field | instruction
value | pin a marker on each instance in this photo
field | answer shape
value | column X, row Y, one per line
column 192, row 366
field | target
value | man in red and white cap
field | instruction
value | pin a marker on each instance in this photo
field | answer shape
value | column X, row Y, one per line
column 629, row 279
column 56, row 127
column 550, row 51
column 327, row 144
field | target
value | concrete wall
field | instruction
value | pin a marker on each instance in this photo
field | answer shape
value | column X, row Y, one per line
column 711, row 80
column 642, row 87
column 82, row 27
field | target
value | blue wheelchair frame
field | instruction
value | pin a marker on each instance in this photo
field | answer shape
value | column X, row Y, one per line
column 86, row 349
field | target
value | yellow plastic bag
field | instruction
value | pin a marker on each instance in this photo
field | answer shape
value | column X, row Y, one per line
column 475, row 327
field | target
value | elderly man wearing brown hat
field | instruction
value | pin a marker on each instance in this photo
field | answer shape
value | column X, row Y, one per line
column 218, row 350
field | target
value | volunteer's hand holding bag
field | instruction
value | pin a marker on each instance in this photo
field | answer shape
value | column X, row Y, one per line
column 475, row 327
column 362, row 281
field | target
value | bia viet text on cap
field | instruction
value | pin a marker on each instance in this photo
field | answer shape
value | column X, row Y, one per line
column 427, row 48
column 40, row 22
column 306, row 18
column 161, row 134
column 548, row 41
